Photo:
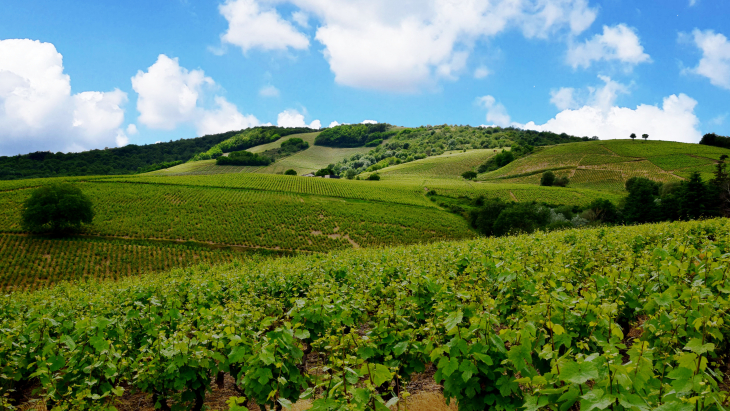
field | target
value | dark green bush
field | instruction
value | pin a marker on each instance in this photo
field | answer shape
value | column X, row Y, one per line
column 243, row 158
column 374, row 177
column 290, row 172
column 469, row 175
column 548, row 179
column 57, row 208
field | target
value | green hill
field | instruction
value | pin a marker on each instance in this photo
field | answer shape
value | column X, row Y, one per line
column 606, row 165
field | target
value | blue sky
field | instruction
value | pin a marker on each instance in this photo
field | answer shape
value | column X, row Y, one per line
column 77, row 75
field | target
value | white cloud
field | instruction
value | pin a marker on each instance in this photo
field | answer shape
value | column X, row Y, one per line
column 369, row 122
column 715, row 62
column 225, row 117
column 692, row 2
column 121, row 139
column 170, row 95
column 333, row 124
column 37, row 109
column 269, row 91
column 301, row 18
column 250, row 26
column 674, row 121
column 400, row 46
column 563, row 98
column 481, row 72
column 292, row 118
column 132, row 129
column 619, row 43
column 496, row 112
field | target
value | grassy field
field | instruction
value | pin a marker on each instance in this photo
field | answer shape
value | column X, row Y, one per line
column 606, row 165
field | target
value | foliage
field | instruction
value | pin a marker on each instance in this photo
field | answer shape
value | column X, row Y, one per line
column 352, row 135
column 243, row 158
column 246, row 139
column 547, row 179
column 56, row 208
column 290, row 172
column 374, row 143
column 324, row 172
column 410, row 144
column 374, row 177
column 561, row 181
column 469, row 175
column 712, row 139
column 114, row 161
column 159, row 166
column 630, row 318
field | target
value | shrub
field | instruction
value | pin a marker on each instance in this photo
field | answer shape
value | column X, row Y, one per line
column 324, row 172
column 561, row 181
column 374, row 177
column 243, row 158
column 374, row 143
column 548, row 178
column 58, row 208
column 350, row 174
column 290, row 172
column 469, row 175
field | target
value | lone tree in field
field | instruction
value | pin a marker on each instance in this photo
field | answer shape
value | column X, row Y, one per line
column 645, row 136
column 548, row 178
column 633, row 136
column 57, row 208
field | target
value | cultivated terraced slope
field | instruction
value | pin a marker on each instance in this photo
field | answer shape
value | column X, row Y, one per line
column 606, row 165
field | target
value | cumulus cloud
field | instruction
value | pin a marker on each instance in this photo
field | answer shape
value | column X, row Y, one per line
column 603, row 96
column 301, row 18
column 170, row 95
column 619, row 43
column 399, row 46
column 333, row 124
column 132, row 129
column 252, row 26
column 715, row 62
column 675, row 120
column 563, row 98
column 269, row 91
column 38, row 111
column 496, row 112
column 369, row 122
column 292, row 118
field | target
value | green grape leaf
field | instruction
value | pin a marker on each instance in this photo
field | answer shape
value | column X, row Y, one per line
column 453, row 320
column 695, row 345
column 400, row 348
column 301, row 334
column 576, row 373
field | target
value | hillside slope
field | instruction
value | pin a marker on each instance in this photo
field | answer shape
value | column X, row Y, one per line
column 425, row 308
column 606, row 165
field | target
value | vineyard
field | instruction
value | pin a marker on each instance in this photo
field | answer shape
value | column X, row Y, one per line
column 606, row 165
column 28, row 263
column 629, row 318
column 450, row 165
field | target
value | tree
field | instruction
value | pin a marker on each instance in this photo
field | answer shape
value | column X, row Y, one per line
column 374, row 177
column 57, row 208
column 469, row 175
column 633, row 136
column 645, row 136
column 640, row 205
column 290, row 172
column 548, row 178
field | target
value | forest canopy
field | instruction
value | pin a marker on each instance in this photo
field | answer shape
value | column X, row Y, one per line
column 353, row 135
